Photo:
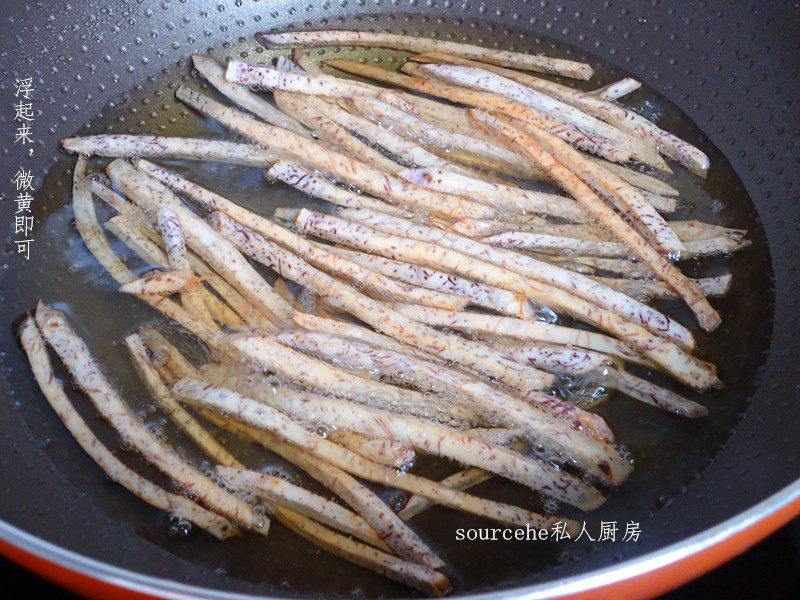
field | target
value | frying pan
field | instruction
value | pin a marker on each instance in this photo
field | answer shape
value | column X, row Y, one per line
column 702, row 492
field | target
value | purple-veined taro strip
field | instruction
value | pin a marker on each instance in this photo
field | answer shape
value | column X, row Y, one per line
column 612, row 113
column 617, row 266
column 409, row 126
column 707, row 317
column 713, row 287
column 146, row 249
column 397, row 145
column 87, row 374
column 609, row 141
column 461, row 480
column 447, row 375
column 493, row 101
column 668, row 144
column 214, row 73
column 220, row 311
column 496, row 194
column 404, row 240
column 465, row 96
column 521, row 329
column 162, row 282
column 380, row 450
column 89, row 228
column 542, row 242
column 475, row 228
column 215, row 250
column 351, row 330
column 156, row 146
column 279, row 491
column 426, row 580
column 170, row 228
column 485, row 296
column 429, row 376
column 321, row 258
column 447, row 116
column 267, row 418
column 418, row 576
column 617, row 89
column 645, row 183
column 293, row 174
column 692, row 231
column 387, row 525
column 316, row 156
column 531, row 62
column 474, row 355
column 53, row 391
column 593, row 456
column 557, row 359
column 269, row 78
column 149, row 251
column 645, row 391
column 314, row 114
column 313, row 373
column 623, row 195
column 433, row 439
column 179, row 415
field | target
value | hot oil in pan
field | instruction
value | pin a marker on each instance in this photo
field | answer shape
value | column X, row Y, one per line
column 669, row 452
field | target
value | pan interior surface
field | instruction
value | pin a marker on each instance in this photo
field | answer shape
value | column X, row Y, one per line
column 61, row 496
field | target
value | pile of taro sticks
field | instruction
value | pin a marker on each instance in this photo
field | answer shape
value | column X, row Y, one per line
column 417, row 313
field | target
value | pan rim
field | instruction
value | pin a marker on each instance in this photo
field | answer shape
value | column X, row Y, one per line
column 650, row 573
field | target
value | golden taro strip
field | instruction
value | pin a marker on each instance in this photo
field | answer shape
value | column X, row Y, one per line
column 53, row 391
column 518, row 60
column 594, row 457
column 162, row 282
column 631, row 203
column 156, row 146
column 82, row 366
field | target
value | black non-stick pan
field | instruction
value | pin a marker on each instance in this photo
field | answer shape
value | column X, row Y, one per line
column 722, row 75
